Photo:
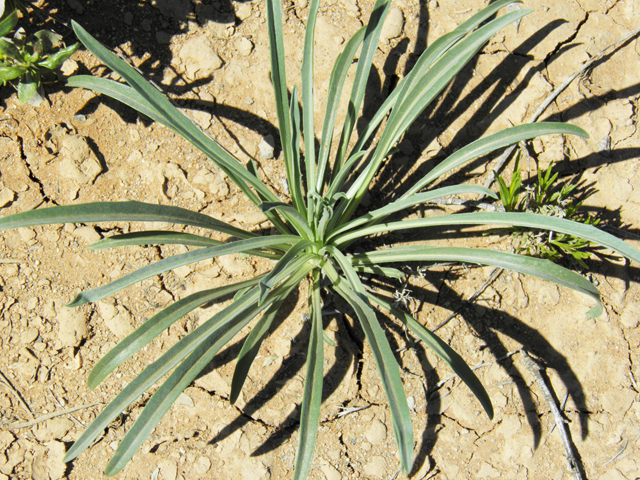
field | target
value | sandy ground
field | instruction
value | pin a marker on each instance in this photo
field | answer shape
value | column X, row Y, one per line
column 213, row 60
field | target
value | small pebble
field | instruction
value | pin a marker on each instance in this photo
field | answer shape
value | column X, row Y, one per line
column 266, row 147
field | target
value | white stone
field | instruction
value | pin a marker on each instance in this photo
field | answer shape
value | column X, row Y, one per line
column 266, row 147
column 244, row 46
column 87, row 234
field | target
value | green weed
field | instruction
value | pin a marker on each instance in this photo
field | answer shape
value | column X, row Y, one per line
column 552, row 197
column 30, row 59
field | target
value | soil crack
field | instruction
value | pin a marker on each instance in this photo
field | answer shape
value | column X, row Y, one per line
column 566, row 42
column 32, row 175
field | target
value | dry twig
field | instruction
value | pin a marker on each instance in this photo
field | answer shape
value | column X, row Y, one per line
column 49, row 416
column 7, row 383
column 534, row 369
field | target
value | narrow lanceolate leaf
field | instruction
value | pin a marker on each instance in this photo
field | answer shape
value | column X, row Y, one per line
column 529, row 220
column 159, row 237
column 377, row 270
column 157, row 369
column 308, row 109
column 175, row 119
column 294, row 175
column 312, row 396
column 250, row 349
column 369, row 46
column 426, row 59
column 336, row 83
column 297, row 220
column 183, row 375
column 266, row 284
column 435, row 51
column 421, row 95
column 121, row 92
column 352, row 290
column 404, row 203
column 119, row 212
column 131, row 344
column 244, row 306
column 538, row 267
column 163, row 237
column 491, row 143
column 170, row 116
column 178, row 261
column 440, row 348
column 279, row 79
column 167, row 394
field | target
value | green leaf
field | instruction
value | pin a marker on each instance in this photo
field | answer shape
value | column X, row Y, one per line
column 246, row 306
column 157, row 369
column 308, row 107
column 491, row 143
column 167, row 394
column 184, row 126
column 154, row 238
column 294, row 176
column 9, row 50
column 336, row 83
column 354, row 293
column 279, row 80
column 377, row 270
column 365, row 61
column 176, row 261
column 28, row 87
column 404, row 203
column 131, row 344
column 48, row 39
column 420, row 95
column 8, row 23
column 249, row 351
column 440, row 348
column 293, row 215
column 119, row 212
column 530, row 220
column 55, row 61
column 518, row 263
column 435, row 51
column 183, row 375
column 121, row 92
column 312, row 396
column 8, row 73
column 266, row 284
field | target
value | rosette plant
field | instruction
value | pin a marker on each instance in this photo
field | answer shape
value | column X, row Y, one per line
column 315, row 230
column 31, row 59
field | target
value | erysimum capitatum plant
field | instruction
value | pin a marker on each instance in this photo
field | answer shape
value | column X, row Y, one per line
column 315, row 230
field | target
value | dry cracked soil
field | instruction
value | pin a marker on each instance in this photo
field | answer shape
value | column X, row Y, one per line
column 212, row 59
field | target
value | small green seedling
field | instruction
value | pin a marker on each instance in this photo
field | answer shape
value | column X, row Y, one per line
column 31, row 59
column 548, row 196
